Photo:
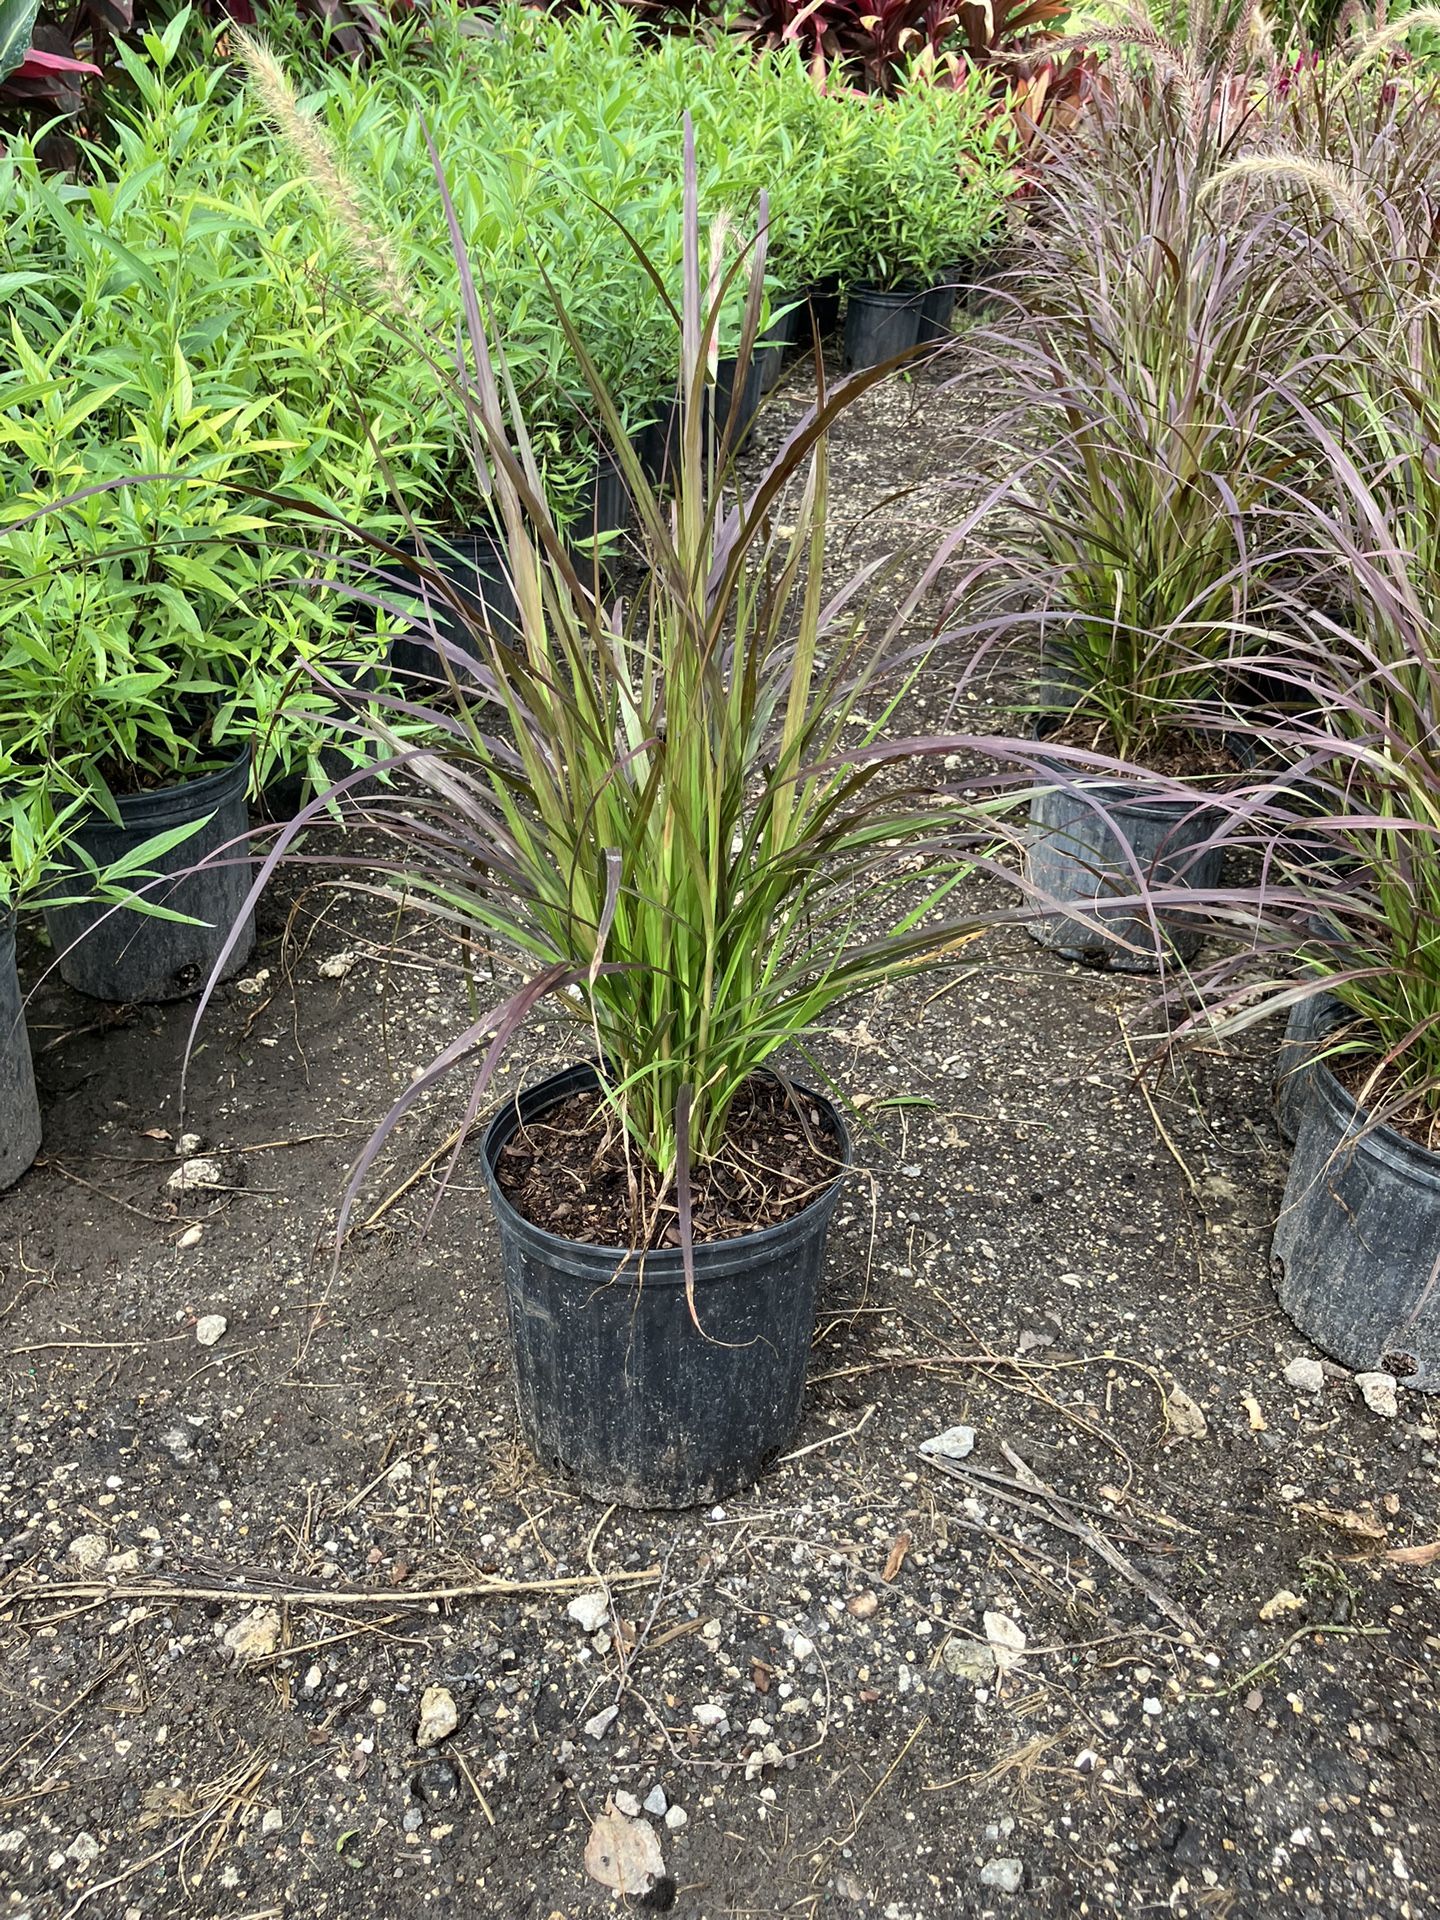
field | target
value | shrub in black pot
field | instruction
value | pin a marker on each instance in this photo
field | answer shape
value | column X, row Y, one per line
column 923, row 180
column 156, row 667
column 1139, row 453
column 702, row 859
column 1357, row 1239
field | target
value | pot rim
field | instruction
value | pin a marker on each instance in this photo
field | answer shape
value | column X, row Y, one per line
column 1396, row 1151
column 194, row 795
column 662, row 1266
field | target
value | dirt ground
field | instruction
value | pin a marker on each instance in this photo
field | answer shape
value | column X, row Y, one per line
column 1163, row 1642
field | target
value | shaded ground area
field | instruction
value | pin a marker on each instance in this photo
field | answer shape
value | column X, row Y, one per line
column 1140, row 1650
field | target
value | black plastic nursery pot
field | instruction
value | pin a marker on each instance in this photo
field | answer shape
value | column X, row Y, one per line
column 1357, row 1244
column 723, row 397
column 19, row 1108
column 658, row 443
column 614, row 1382
column 605, row 501
column 472, row 563
column 938, row 303
column 879, row 324
column 819, row 315
column 1304, row 1037
column 1078, row 854
column 776, row 341
column 130, row 958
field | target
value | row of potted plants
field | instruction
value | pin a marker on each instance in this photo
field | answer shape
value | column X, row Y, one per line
column 190, row 306
column 1220, row 532
column 679, row 836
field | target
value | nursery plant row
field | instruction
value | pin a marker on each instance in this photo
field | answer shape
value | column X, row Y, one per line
column 1207, row 511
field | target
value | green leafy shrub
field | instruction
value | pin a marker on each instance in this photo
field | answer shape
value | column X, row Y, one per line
column 921, row 181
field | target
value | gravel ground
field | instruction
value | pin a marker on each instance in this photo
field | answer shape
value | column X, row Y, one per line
column 290, row 1623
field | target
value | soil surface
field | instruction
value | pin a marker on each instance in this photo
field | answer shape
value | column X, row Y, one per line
column 570, row 1172
column 1064, row 1600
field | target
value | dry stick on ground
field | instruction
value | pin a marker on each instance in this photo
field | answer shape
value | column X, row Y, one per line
column 1160, row 1128
column 257, row 1586
column 1048, row 1515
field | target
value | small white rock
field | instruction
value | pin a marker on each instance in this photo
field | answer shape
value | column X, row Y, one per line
column 192, row 1175
column 626, row 1803
column 675, row 1818
column 707, row 1714
column 956, row 1443
column 1304, row 1374
column 1007, row 1640
column 1004, row 1875
column 600, row 1723
column 802, row 1647
column 84, row 1849
column 272, row 1821
column 127, row 1561
column 191, row 1237
column 439, row 1716
column 209, row 1328
column 590, row 1611
column 88, row 1551
column 336, row 965
column 13, row 1841
column 188, row 1145
column 1151, row 1707
column 1378, row 1392
column 656, row 1803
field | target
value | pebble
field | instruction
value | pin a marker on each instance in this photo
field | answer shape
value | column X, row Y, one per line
column 1282, row 1603
column 955, row 1443
column 88, row 1551
column 188, row 1145
column 675, row 1818
column 336, row 965
column 272, row 1821
column 209, row 1328
column 1151, row 1706
column 314, row 1679
column 1006, row 1875
column 707, row 1714
column 438, row 1782
column 656, row 1803
column 13, row 1841
column 862, row 1605
column 126, row 1562
column 802, row 1647
column 1304, row 1374
column 1187, row 1418
column 627, row 1804
column 191, row 1237
column 439, row 1716
column 84, row 1849
column 255, row 1634
column 1378, row 1392
column 590, row 1611
column 968, row 1660
column 191, row 1175
column 600, row 1724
